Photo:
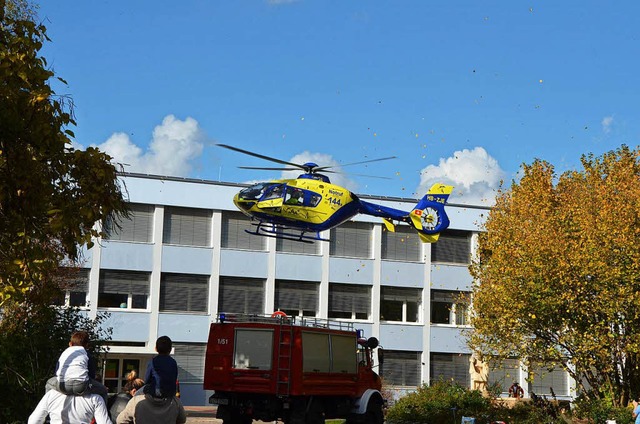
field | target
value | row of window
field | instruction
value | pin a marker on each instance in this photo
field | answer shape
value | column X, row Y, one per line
column 190, row 293
column 402, row 368
column 192, row 227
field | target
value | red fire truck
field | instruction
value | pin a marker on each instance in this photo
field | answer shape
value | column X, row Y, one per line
column 296, row 369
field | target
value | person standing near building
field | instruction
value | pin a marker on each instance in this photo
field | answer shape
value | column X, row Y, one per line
column 516, row 391
column 66, row 409
column 149, row 409
column 118, row 403
column 162, row 371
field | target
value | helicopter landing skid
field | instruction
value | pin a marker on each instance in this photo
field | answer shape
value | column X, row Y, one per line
column 281, row 232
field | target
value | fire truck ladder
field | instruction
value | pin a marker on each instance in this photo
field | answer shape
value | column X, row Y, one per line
column 283, row 370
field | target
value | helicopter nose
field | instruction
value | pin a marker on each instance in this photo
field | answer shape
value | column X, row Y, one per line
column 241, row 203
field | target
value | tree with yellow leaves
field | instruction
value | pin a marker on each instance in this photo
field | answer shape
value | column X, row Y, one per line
column 558, row 273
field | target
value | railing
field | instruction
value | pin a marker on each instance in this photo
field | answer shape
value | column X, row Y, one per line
column 285, row 320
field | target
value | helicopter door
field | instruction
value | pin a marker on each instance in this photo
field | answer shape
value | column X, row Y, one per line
column 294, row 197
column 273, row 197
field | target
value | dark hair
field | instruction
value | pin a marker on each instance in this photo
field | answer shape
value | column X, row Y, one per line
column 80, row 338
column 163, row 345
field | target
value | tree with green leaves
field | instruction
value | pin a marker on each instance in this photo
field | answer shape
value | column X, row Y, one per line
column 558, row 273
column 32, row 337
column 51, row 194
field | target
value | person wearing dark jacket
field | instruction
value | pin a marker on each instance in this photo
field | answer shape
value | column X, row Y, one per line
column 162, row 371
column 118, row 402
column 149, row 409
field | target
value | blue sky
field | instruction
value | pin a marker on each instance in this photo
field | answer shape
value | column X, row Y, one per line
column 460, row 91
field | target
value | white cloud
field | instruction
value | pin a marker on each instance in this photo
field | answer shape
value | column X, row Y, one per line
column 322, row 160
column 474, row 173
column 172, row 151
column 607, row 123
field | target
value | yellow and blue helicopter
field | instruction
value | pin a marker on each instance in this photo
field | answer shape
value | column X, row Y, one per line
column 301, row 208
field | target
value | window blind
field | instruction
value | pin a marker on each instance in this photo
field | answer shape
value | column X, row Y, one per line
column 349, row 298
column 234, row 236
column 401, row 368
column 137, row 227
column 297, row 295
column 351, row 239
column 544, row 379
column 190, row 359
column 77, row 281
column 187, row 226
column 241, row 295
column 450, row 367
column 504, row 373
column 453, row 247
column 401, row 294
column 124, row 282
column 403, row 244
column 184, row 292
column 292, row 246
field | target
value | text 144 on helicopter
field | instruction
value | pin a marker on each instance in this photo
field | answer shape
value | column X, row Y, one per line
column 301, row 208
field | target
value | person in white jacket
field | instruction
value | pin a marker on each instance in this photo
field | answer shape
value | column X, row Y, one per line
column 75, row 373
column 70, row 409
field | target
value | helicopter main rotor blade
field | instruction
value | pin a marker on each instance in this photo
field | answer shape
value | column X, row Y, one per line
column 269, row 169
column 324, row 168
column 257, row 155
column 326, row 171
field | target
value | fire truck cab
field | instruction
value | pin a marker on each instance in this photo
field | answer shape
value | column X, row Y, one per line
column 296, row 369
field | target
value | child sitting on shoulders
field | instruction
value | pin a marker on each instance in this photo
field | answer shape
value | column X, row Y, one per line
column 162, row 371
column 73, row 375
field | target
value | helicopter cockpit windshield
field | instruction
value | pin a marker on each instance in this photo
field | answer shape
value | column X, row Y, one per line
column 254, row 192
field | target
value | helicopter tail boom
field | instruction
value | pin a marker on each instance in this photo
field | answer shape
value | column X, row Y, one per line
column 428, row 217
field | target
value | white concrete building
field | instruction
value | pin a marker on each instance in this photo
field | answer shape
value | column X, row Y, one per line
column 183, row 256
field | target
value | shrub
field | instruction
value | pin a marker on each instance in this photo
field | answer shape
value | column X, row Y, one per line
column 441, row 403
column 601, row 410
column 446, row 402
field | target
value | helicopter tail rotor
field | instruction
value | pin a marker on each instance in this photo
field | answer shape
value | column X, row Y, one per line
column 429, row 217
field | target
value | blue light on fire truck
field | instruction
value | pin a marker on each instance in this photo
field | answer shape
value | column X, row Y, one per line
column 360, row 333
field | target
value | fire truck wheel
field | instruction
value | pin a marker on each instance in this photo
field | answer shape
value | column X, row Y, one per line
column 315, row 415
column 374, row 414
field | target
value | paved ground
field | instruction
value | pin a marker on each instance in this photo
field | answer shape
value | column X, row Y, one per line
column 203, row 415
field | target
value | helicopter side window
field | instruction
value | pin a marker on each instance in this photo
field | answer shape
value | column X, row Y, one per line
column 314, row 200
column 253, row 193
column 275, row 193
column 294, row 197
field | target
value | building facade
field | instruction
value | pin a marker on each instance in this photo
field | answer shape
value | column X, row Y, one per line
column 183, row 256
